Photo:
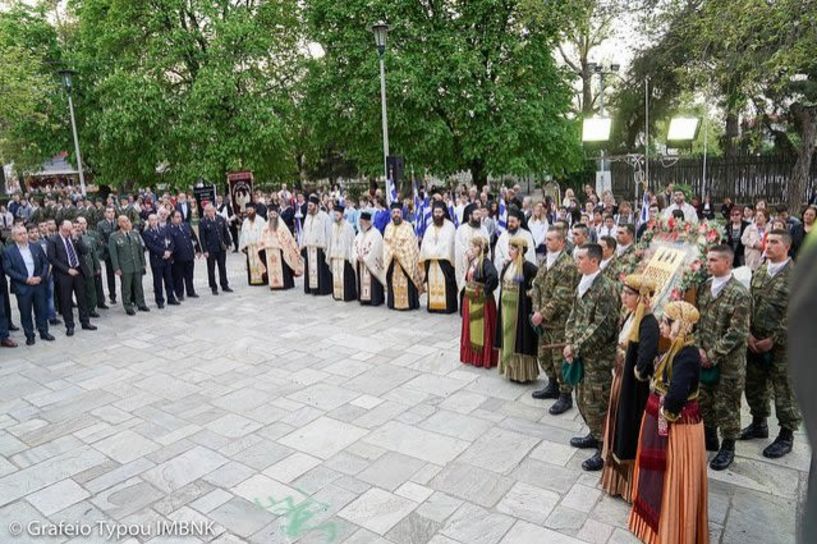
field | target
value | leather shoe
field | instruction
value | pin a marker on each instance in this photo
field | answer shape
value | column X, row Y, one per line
column 193, row 295
column 593, row 464
column 711, row 438
column 160, row 305
column 88, row 327
column 226, row 289
column 54, row 322
column 584, row 442
column 725, row 456
column 113, row 300
column 562, row 405
column 13, row 327
column 8, row 343
column 757, row 429
column 103, row 307
column 143, row 309
column 93, row 314
column 130, row 311
column 69, row 331
column 551, row 391
column 174, row 302
column 781, row 446
column 47, row 337
column 215, row 291
column 30, row 341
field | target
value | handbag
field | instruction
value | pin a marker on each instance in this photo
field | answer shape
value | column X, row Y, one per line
column 573, row 373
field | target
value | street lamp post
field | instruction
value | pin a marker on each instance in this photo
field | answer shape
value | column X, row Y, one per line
column 380, row 29
column 68, row 83
column 602, row 174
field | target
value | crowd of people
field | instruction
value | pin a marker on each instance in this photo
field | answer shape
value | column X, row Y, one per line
column 542, row 286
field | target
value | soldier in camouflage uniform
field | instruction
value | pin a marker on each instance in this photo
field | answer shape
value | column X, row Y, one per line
column 127, row 252
column 590, row 334
column 130, row 212
column 90, row 261
column 766, row 361
column 552, row 296
column 722, row 333
column 626, row 261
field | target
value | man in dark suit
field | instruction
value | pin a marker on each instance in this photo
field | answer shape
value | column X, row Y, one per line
column 225, row 210
column 186, row 247
column 4, row 294
column 27, row 267
column 64, row 249
column 183, row 206
column 160, row 248
column 215, row 239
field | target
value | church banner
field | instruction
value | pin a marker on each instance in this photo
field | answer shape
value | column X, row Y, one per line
column 240, row 184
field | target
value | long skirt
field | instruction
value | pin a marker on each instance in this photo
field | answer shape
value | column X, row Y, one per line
column 670, row 480
column 470, row 353
column 616, row 477
column 517, row 367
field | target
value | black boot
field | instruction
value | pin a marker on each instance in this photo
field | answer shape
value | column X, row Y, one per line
column 584, row 442
column 551, row 391
column 757, row 429
column 781, row 445
column 711, row 436
column 562, row 405
column 725, row 456
column 594, row 463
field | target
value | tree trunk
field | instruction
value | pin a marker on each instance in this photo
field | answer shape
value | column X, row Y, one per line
column 478, row 175
column 730, row 136
column 807, row 119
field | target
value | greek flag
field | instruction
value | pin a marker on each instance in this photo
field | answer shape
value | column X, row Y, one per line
column 644, row 216
column 453, row 215
column 502, row 217
column 299, row 231
column 391, row 191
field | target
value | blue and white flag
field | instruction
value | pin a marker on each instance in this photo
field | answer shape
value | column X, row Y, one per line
column 644, row 216
column 453, row 215
column 502, row 216
column 391, row 191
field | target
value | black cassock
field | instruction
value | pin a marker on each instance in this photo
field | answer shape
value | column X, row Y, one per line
column 376, row 294
column 349, row 284
column 413, row 295
column 450, row 288
column 634, row 393
column 324, row 275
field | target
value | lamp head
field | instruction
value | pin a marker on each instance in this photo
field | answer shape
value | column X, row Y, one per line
column 380, row 29
column 67, row 79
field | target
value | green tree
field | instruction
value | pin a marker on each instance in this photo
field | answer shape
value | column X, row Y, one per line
column 471, row 85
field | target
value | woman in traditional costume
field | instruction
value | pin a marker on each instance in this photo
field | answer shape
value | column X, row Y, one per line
column 515, row 337
column 637, row 349
column 670, row 482
column 479, row 307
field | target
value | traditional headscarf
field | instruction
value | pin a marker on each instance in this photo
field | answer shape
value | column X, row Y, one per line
column 645, row 287
column 686, row 315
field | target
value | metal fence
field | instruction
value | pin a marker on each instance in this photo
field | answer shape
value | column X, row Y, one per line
column 744, row 179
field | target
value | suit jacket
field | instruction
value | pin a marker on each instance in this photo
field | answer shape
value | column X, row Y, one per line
column 158, row 242
column 188, row 215
column 185, row 242
column 15, row 267
column 58, row 257
column 214, row 234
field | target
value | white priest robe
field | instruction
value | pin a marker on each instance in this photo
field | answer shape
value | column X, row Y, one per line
column 340, row 257
column 371, row 274
column 317, row 233
column 249, row 241
column 437, row 261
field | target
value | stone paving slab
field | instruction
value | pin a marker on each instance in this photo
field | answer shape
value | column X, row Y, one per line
column 278, row 417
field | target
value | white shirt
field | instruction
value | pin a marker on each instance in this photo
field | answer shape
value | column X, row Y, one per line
column 773, row 268
column 65, row 242
column 718, row 284
column 550, row 259
column 690, row 214
column 605, row 263
column 28, row 258
column 586, row 282
column 621, row 249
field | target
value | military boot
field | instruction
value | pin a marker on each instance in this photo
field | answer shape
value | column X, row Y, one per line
column 594, row 463
column 781, row 445
column 551, row 391
column 562, row 405
column 757, row 429
column 725, row 456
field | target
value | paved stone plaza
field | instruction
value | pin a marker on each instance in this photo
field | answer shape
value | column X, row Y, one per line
column 283, row 417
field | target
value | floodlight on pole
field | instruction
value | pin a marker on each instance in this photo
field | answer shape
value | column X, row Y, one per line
column 67, row 81
column 683, row 129
column 596, row 129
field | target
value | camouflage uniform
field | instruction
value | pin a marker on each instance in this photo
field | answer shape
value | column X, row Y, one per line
column 770, row 297
column 552, row 295
column 622, row 266
column 592, row 329
column 723, row 333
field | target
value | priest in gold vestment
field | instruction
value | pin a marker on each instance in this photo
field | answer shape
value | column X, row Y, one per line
column 368, row 251
column 284, row 262
column 437, row 260
column 401, row 259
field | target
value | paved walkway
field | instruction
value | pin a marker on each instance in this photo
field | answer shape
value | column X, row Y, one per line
column 280, row 417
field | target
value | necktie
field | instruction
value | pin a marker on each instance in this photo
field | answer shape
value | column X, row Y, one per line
column 72, row 255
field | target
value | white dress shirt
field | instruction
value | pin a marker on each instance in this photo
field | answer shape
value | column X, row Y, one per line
column 586, row 282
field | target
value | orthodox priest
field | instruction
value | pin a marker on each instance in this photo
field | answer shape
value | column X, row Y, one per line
column 515, row 229
column 317, row 232
column 404, row 277
column 437, row 260
column 283, row 259
column 249, row 243
column 368, row 252
column 341, row 257
column 471, row 228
